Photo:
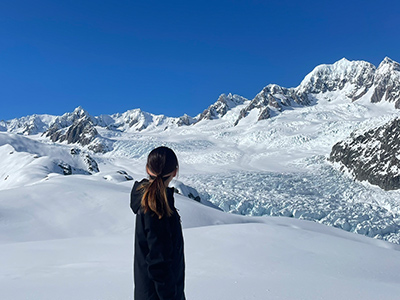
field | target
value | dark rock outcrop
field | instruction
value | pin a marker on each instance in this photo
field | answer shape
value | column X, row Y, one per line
column 221, row 107
column 273, row 98
column 65, row 168
column 92, row 165
column 81, row 131
column 76, row 128
column 373, row 156
column 125, row 174
column 89, row 162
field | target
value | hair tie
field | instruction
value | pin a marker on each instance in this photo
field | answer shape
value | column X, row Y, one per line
column 158, row 176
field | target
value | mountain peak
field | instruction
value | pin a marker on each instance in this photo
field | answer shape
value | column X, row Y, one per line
column 356, row 75
column 79, row 111
column 389, row 64
column 221, row 107
column 342, row 62
column 388, row 60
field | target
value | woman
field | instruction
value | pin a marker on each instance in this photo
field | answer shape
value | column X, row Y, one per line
column 159, row 267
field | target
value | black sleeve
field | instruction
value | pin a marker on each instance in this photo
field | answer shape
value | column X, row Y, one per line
column 159, row 259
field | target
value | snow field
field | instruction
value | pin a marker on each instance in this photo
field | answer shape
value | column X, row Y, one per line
column 77, row 244
column 72, row 238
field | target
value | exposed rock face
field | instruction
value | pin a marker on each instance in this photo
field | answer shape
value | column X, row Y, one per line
column 125, row 174
column 76, row 128
column 66, row 168
column 221, row 107
column 82, row 131
column 185, row 120
column 83, row 164
column 373, row 156
column 89, row 162
column 273, row 98
column 387, row 82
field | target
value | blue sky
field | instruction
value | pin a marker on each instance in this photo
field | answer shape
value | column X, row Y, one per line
column 175, row 57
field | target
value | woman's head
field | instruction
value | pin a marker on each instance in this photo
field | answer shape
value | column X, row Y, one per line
column 162, row 166
column 162, row 162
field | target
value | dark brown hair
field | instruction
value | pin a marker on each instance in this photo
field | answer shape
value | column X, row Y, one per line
column 161, row 162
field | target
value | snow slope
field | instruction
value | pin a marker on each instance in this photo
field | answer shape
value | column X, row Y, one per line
column 71, row 238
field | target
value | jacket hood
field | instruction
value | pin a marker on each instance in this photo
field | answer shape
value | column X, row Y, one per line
column 136, row 196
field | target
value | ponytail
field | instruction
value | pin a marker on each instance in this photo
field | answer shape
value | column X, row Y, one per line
column 155, row 198
column 161, row 162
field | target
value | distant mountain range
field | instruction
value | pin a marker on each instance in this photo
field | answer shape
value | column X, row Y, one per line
column 352, row 80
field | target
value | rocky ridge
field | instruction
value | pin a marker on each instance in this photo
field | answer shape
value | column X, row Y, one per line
column 221, row 107
column 373, row 156
column 387, row 82
column 28, row 125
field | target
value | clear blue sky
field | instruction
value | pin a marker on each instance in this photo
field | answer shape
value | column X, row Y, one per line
column 175, row 57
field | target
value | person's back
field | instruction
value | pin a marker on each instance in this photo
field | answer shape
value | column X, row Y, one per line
column 159, row 267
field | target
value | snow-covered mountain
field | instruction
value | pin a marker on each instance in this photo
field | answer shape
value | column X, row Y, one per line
column 28, row 125
column 352, row 80
column 387, row 82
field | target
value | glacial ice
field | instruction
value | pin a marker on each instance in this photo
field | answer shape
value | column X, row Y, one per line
column 324, row 195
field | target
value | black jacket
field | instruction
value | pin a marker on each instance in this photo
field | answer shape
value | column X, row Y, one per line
column 159, row 266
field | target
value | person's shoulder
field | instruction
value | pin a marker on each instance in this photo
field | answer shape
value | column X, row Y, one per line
column 144, row 180
column 170, row 191
column 138, row 184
